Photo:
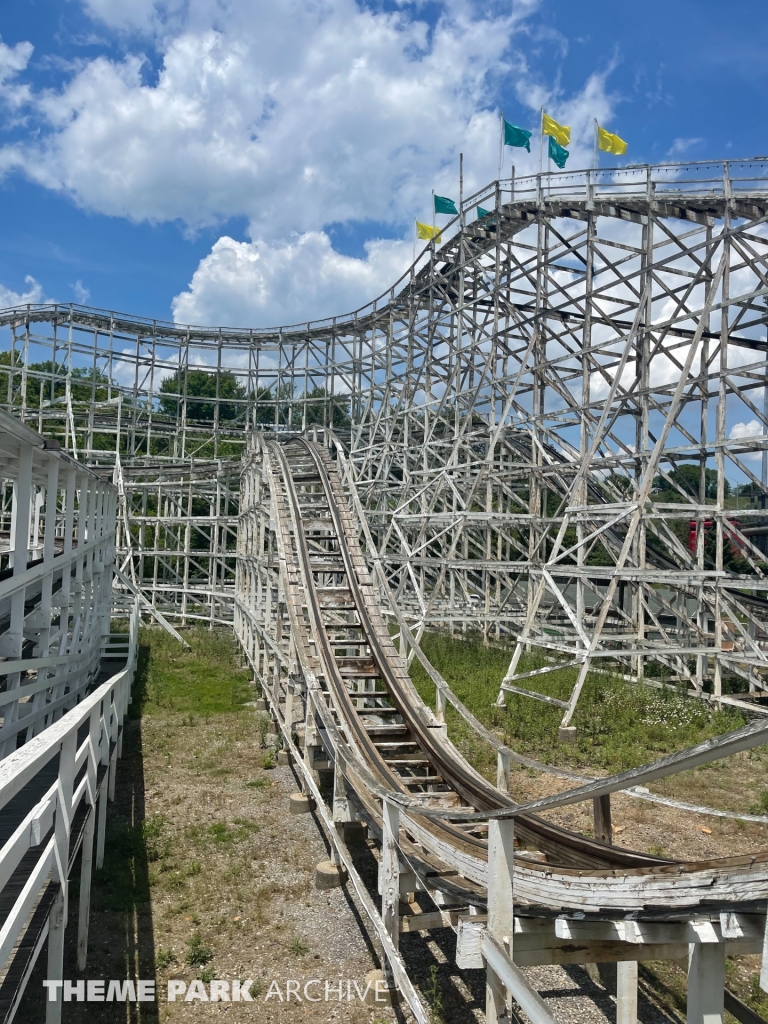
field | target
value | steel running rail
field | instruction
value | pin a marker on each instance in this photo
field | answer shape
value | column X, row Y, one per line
column 394, row 768
column 398, row 747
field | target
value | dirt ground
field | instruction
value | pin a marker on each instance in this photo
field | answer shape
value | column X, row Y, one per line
column 668, row 831
column 208, row 878
column 229, row 881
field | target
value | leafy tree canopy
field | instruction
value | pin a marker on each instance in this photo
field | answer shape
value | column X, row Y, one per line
column 202, row 384
column 319, row 405
column 686, row 476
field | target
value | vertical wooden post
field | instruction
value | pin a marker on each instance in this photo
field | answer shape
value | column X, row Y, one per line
column 57, row 920
column 440, row 706
column 390, row 871
column 114, row 733
column 86, row 855
column 101, row 827
column 626, row 992
column 310, row 739
column 601, row 811
column 501, row 844
column 706, row 983
column 502, row 770
column 342, row 812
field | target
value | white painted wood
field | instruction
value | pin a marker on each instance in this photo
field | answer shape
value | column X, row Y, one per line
column 509, row 974
column 390, row 870
column 706, row 983
column 502, row 770
column 501, row 925
column 626, row 992
column 468, row 942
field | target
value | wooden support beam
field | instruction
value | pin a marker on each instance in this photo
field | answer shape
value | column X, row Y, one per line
column 506, row 973
column 706, row 983
column 390, row 870
column 601, row 813
column 501, row 925
column 626, row 992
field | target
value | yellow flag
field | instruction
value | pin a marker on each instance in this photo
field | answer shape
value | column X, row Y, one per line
column 561, row 133
column 610, row 143
column 427, row 231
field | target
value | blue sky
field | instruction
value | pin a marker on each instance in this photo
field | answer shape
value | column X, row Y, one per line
column 254, row 163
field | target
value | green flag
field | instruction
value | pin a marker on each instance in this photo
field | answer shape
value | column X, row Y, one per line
column 557, row 153
column 443, row 205
column 482, row 213
column 514, row 136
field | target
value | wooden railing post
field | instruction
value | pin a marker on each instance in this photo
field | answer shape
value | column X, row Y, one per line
column 706, row 983
column 102, row 805
column 390, row 871
column 86, row 855
column 57, row 921
column 501, row 843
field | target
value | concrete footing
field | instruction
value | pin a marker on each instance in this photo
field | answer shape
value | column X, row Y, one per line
column 300, row 803
column 567, row 733
column 261, row 704
column 378, row 994
column 329, row 875
column 284, row 758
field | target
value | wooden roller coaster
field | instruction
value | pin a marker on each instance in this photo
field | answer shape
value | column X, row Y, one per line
column 337, row 678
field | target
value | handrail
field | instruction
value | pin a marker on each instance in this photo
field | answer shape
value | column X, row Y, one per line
column 643, row 181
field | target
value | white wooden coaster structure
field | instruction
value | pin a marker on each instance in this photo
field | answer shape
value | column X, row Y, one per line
column 308, row 617
column 497, row 440
column 517, row 411
column 66, row 688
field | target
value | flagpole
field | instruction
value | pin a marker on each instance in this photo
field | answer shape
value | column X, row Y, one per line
column 501, row 144
column 433, row 210
column 541, row 140
column 415, row 232
column 597, row 157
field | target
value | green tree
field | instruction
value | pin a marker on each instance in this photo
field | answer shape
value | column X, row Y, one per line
column 686, row 476
column 202, row 384
column 273, row 407
column 319, row 406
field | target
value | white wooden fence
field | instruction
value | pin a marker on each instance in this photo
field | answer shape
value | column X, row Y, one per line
column 53, row 802
column 57, row 549
column 60, row 726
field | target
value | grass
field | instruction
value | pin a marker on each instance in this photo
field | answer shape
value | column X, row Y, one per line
column 435, row 996
column 201, row 681
column 257, row 784
column 618, row 725
column 164, row 958
column 198, row 954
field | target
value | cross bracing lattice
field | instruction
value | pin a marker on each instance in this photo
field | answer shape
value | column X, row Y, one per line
column 514, row 417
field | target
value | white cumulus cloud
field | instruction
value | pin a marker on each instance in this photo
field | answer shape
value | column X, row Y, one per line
column 293, row 116
column 244, row 283
column 34, row 294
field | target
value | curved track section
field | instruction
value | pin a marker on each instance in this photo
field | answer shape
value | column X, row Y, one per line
column 394, row 745
column 309, row 617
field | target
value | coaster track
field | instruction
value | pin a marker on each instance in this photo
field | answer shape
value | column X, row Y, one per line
column 346, row 647
column 338, row 671
column 514, row 422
